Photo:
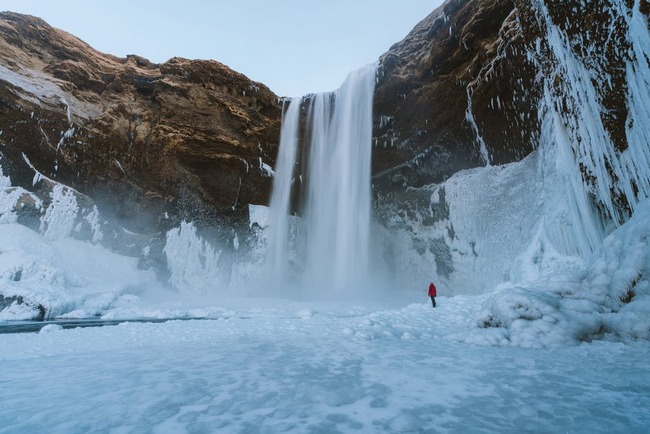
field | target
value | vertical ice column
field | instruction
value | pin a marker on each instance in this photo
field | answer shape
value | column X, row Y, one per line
column 619, row 179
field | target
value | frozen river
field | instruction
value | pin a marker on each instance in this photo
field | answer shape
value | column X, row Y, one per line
column 316, row 370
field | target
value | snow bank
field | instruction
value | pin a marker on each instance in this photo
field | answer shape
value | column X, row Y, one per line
column 48, row 273
column 607, row 298
column 64, row 275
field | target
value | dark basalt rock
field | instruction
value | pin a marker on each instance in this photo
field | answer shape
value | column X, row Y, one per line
column 7, row 302
column 465, row 61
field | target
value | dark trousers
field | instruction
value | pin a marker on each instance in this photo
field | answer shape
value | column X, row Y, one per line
column 433, row 301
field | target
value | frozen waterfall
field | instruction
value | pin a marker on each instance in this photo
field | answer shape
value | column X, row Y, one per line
column 332, row 238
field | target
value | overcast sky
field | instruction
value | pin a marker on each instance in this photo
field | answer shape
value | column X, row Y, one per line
column 292, row 46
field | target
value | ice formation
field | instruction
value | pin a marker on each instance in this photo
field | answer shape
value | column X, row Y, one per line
column 554, row 247
column 192, row 262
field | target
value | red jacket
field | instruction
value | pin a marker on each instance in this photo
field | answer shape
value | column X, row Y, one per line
column 432, row 290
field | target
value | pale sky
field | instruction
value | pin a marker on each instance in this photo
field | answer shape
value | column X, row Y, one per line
column 293, row 46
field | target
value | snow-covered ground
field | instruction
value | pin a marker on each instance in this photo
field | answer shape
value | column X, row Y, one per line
column 512, row 360
column 565, row 349
column 300, row 368
column 543, row 324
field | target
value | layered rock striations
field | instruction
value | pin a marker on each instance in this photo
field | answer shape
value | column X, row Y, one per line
column 151, row 144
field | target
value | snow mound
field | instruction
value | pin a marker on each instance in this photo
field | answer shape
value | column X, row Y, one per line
column 406, row 423
column 50, row 328
column 608, row 298
column 63, row 275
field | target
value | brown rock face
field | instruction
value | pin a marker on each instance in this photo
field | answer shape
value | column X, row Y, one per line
column 457, row 91
column 184, row 138
column 466, row 86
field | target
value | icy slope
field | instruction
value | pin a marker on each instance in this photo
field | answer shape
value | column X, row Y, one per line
column 64, row 275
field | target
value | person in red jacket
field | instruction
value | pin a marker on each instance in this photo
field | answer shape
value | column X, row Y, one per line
column 432, row 293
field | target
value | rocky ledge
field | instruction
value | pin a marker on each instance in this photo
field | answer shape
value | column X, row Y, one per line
column 151, row 144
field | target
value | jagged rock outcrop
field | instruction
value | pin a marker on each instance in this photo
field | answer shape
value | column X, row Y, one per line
column 466, row 86
column 184, row 139
column 457, row 92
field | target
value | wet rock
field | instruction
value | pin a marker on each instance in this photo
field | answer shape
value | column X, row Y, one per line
column 17, row 307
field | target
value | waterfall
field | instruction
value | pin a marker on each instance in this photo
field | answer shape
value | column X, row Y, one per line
column 281, row 196
column 333, row 233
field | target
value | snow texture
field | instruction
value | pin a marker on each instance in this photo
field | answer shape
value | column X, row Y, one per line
column 542, row 324
column 607, row 299
column 270, row 370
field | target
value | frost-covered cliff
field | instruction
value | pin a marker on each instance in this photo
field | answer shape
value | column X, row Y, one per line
column 569, row 84
column 536, row 227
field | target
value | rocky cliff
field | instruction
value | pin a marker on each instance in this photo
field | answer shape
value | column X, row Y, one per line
column 466, row 86
column 559, row 88
column 473, row 84
column 458, row 92
column 151, row 144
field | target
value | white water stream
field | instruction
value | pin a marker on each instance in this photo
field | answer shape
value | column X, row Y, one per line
column 334, row 231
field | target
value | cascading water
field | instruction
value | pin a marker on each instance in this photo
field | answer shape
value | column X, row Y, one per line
column 334, row 231
column 281, row 196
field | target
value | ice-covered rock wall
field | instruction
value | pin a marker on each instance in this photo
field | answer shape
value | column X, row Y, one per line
column 589, row 172
column 53, row 209
column 60, row 258
column 597, row 93
column 51, row 262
